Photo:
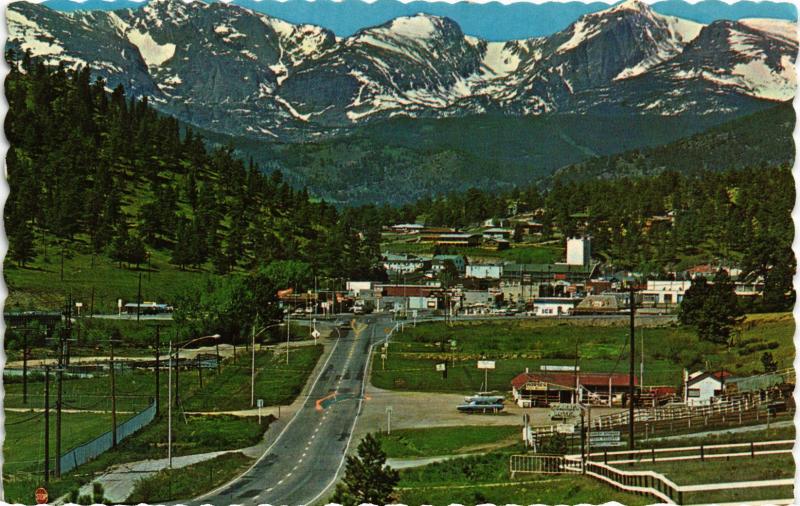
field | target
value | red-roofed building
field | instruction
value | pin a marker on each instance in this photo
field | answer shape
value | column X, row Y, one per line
column 539, row 389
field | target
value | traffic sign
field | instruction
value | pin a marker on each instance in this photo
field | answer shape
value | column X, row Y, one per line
column 260, row 403
column 441, row 366
column 315, row 333
column 41, row 495
column 485, row 364
column 565, row 428
column 563, row 411
column 605, row 438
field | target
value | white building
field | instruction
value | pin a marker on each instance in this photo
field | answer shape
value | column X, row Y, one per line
column 579, row 250
column 554, row 306
column 702, row 387
column 665, row 293
column 485, row 271
column 497, row 233
column 356, row 287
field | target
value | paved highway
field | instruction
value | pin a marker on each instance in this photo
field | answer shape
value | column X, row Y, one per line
column 302, row 464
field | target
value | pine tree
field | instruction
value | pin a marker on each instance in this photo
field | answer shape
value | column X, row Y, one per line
column 367, row 478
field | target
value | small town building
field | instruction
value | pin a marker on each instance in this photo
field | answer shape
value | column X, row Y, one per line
column 540, row 389
column 599, row 304
column 554, row 306
column 404, row 263
column 408, row 228
column 542, row 273
column 484, row 271
column 496, row 244
column 497, row 233
column 702, row 387
column 451, row 239
column 665, row 293
column 459, row 261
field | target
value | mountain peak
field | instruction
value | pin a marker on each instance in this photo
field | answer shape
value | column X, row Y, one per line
column 630, row 5
column 418, row 26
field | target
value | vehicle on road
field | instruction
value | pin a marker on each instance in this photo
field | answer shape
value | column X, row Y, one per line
column 482, row 404
column 363, row 307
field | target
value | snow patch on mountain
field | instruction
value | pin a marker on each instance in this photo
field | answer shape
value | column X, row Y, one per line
column 785, row 30
column 499, row 60
column 153, row 53
column 34, row 38
column 683, row 29
column 581, row 32
column 765, row 82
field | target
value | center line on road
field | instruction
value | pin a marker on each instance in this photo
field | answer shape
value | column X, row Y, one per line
column 289, row 474
column 270, row 489
column 280, row 482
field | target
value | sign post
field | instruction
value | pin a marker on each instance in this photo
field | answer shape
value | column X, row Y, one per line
column 41, row 495
column 260, row 404
column 486, row 365
column 442, row 367
column 389, row 420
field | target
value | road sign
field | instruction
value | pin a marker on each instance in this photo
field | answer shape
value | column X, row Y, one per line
column 485, row 364
column 41, row 495
column 565, row 428
column 315, row 333
column 260, row 403
column 441, row 366
column 562, row 411
column 605, row 438
column 559, row 368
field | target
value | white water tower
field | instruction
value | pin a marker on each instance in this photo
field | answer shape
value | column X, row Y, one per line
column 579, row 250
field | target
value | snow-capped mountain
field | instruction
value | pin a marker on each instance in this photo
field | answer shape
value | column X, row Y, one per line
column 233, row 70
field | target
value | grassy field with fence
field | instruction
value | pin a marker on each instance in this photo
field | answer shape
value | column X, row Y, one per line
column 174, row 484
column 276, row 383
column 485, row 479
column 435, row 441
column 193, row 434
column 520, row 343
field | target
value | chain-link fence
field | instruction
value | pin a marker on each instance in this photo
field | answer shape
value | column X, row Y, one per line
column 94, row 448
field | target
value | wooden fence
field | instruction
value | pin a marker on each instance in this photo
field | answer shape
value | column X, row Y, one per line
column 650, row 483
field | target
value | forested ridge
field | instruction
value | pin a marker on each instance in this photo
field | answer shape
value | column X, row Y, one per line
column 95, row 171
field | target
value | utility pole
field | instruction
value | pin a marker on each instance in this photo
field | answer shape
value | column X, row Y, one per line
column 25, row 368
column 113, row 397
column 253, row 363
column 632, row 372
column 288, row 332
column 139, row 299
column 47, row 424
column 169, row 407
column 59, row 399
column 158, row 369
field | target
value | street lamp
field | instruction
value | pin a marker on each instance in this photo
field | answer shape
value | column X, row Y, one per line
column 253, row 360
column 169, row 387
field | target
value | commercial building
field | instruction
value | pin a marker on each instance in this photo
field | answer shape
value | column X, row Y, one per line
column 485, row 271
column 540, row 389
column 554, row 306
